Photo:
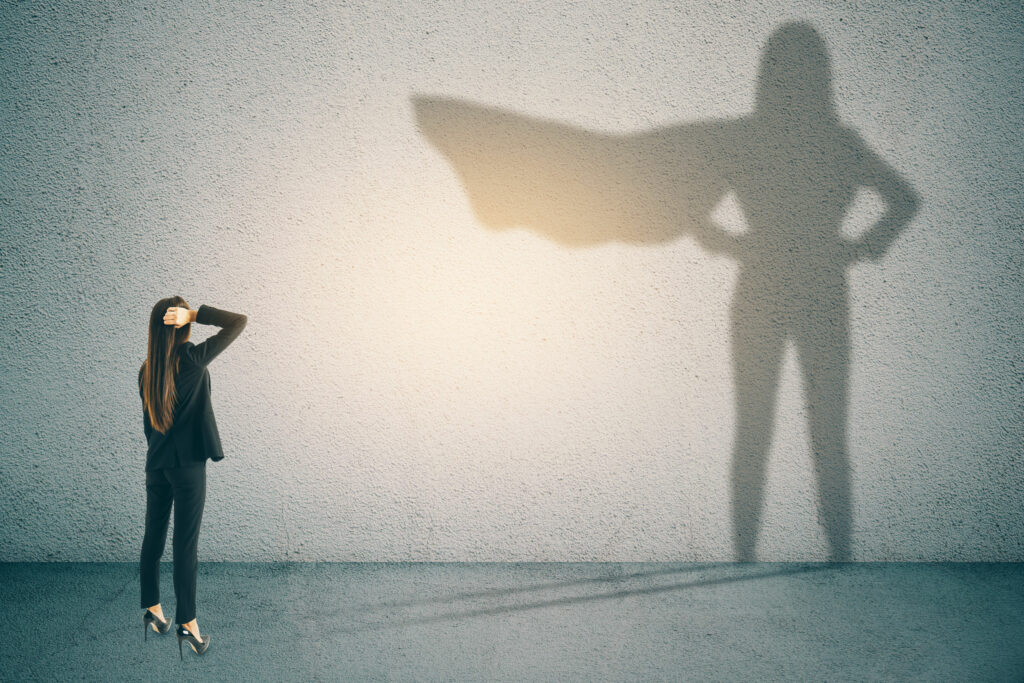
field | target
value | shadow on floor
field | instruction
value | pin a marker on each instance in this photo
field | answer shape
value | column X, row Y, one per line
column 503, row 592
column 526, row 622
column 749, row 572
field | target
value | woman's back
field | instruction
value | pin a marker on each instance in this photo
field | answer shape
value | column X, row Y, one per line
column 193, row 435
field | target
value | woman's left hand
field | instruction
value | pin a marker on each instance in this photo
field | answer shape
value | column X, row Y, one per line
column 177, row 316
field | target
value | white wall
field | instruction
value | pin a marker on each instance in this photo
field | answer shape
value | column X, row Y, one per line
column 415, row 385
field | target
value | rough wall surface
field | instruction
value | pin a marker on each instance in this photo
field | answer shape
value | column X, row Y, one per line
column 414, row 384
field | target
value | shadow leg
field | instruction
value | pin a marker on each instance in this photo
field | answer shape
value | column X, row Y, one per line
column 825, row 358
column 757, row 345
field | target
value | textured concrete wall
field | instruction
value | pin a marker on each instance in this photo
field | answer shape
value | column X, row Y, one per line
column 483, row 323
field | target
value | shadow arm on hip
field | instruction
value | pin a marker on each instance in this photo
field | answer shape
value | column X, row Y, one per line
column 901, row 202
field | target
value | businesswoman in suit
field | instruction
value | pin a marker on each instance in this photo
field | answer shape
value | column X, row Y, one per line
column 177, row 415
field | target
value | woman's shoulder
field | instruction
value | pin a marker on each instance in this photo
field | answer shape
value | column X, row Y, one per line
column 185, row 353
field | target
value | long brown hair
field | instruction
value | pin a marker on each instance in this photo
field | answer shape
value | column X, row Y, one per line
column 161, row 364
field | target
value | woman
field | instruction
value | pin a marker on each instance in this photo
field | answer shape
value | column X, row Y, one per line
column 177, row 415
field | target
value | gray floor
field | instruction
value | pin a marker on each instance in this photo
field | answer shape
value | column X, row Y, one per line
column 513, row 622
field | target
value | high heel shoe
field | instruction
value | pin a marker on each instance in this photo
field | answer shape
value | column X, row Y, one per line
column 198, row 646
column 150, row 620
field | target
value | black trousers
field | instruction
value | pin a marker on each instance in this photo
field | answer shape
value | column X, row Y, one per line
column 185, row 487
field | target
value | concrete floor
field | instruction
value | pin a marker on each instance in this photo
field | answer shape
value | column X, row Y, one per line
column 515, row 622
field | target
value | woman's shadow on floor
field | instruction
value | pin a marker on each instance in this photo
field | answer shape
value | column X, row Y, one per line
column 794, row 170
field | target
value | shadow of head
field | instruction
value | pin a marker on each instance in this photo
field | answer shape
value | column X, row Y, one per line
column 794, row 82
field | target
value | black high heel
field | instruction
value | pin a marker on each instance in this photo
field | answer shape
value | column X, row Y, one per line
column 151, row 620
column 198, row 646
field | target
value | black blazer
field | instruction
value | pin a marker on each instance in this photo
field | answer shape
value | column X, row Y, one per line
column 193, row 436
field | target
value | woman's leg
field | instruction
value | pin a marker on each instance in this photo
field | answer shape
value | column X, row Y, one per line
column 158, row 513
column 189, row 485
